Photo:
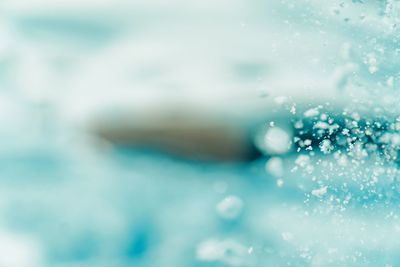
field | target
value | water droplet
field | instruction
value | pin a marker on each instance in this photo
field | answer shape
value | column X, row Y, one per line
column 320, row 191
column 230, row 207
column 274, row 166
column 326, row 146
column 293, row 110
column 227, row 252
column 313, row 112
column 277, row 141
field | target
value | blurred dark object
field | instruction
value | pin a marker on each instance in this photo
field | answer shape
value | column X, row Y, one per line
column 183, row 134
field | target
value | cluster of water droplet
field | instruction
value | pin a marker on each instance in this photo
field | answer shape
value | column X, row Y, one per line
column 342, row 152
column 344, row 160
column 225, row 251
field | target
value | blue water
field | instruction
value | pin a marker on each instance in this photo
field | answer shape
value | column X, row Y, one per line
column 66, row 200
column 147, row 209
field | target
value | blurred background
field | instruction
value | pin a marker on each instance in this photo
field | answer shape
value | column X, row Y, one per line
column 199, row 133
